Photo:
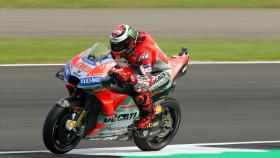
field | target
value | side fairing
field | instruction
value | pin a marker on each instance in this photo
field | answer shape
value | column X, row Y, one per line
column 67, row 72
column 126, row 113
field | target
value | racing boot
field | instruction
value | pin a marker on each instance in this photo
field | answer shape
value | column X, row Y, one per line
column 143, row 124
column 147, row 110
column 147, row 114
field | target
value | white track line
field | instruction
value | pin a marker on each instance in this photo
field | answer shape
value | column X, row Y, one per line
column 191, row 63
column 27, row 65
column 23, row 152
column 134, row 149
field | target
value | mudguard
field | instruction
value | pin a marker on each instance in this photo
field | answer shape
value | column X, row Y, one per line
column 67, row 102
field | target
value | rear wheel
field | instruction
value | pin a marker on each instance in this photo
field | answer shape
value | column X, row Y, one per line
column 171, row 118
column 56, row 137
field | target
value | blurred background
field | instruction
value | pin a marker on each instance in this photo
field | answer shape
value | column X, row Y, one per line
column 232, row 102
column 54, row 30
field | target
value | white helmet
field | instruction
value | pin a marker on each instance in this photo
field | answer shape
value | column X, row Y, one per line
column 122, row 40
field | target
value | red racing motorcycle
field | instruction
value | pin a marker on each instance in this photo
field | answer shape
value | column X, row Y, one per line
column 93, row 94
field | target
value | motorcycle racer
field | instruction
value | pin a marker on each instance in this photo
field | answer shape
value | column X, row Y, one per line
column 151, row 68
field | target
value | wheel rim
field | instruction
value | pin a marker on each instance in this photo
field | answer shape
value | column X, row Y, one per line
column 167, row 119
column 168, row 123
column 62, row 138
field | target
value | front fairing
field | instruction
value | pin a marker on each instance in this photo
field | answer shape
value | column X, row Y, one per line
column 90, row 67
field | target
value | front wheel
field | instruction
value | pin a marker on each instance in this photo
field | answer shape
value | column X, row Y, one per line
column 56, row 137
column 171, row 118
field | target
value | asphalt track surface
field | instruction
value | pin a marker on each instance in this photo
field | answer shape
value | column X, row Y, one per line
column 161, row 23
column 220, row 103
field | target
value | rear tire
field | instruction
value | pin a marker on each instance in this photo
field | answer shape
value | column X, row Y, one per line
column 53, row 130
column 148, row 144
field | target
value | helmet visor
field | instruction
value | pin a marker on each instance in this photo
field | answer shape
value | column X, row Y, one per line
column 120, row 46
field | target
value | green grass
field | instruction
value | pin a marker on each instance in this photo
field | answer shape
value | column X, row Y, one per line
column 34, row 50
column 139, row 3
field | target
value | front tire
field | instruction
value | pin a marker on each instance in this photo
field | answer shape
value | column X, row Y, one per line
column 171, row 106
column 55, row 135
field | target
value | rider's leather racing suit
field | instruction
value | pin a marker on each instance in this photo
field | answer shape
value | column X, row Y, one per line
column 152, row 71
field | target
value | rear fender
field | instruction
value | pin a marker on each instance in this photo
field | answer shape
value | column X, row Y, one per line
column 183, row 71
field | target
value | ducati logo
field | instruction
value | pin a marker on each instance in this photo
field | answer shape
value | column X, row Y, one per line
column 145, row 133
column 121, row 117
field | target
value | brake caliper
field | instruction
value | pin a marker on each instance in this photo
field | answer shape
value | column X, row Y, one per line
column 71, row 124
column 75, row 122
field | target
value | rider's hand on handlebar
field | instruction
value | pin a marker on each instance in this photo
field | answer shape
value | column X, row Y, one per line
column 122, row 75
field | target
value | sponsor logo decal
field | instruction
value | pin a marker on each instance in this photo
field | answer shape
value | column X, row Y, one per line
column 113, row 129
column 148, row 70
column 132, row 33
column 77, row 73
column 142, row 77
column 143, row 56
column 107, row 64
column 145, row 133
column 87, row 61
column 158, row 78
column 147, row 65
column 83, row 67
column 121, row 117
column 105, row 138
column 105, row 60
column 90, row 81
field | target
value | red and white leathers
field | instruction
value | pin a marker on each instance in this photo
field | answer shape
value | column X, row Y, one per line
column 152, row 70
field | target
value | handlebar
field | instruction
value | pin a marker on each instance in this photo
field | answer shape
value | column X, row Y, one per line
column 124, row 87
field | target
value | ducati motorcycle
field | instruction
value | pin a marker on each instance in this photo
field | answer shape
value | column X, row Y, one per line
column 84, row 113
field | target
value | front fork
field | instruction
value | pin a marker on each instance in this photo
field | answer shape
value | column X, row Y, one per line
column 79, row 103
column 75, row 121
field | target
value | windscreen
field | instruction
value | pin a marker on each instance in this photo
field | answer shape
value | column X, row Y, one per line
column 99, row 50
